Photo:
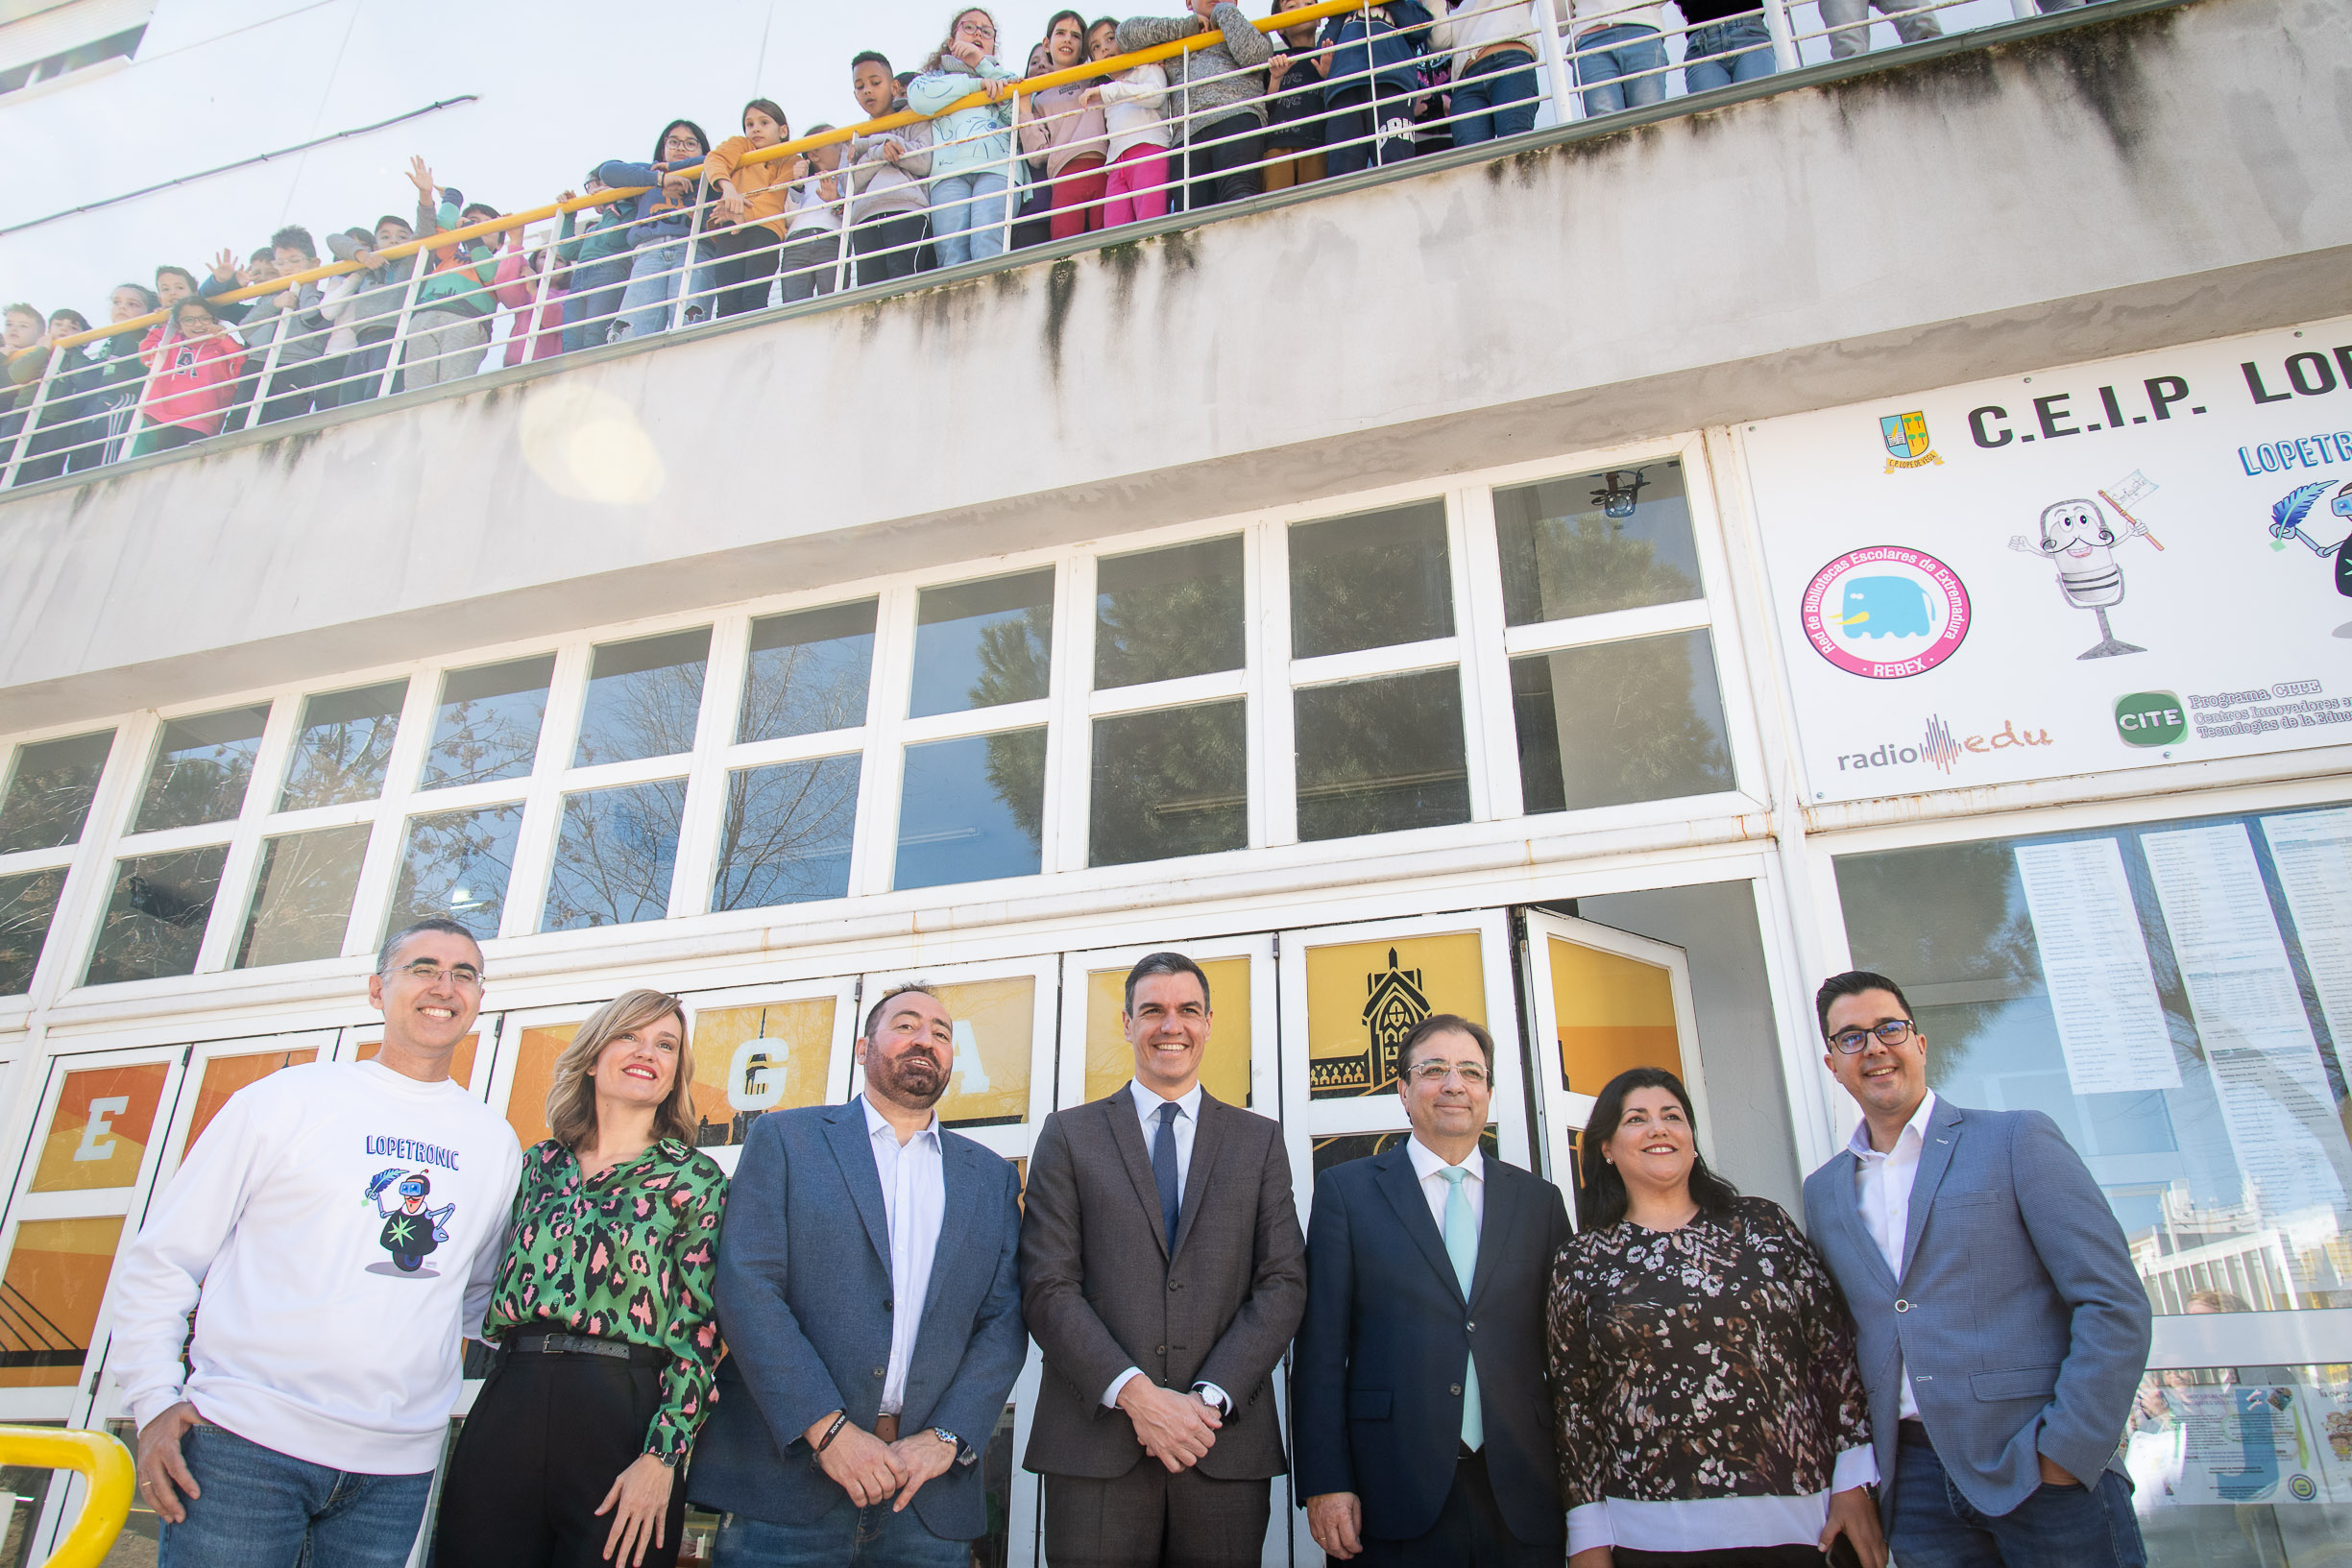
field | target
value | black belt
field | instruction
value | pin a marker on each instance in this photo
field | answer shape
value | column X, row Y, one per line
column 1910, row 1429
column 582, row 1344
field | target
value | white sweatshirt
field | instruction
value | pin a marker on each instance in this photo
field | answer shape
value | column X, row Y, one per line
column 343, row 1225
column 1131, row 103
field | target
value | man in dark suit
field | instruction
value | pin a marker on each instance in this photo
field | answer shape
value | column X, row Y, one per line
column 869, row 1294
column 1423, row 1413
column 1162, row 1275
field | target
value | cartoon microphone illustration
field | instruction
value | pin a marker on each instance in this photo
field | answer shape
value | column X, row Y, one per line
column 2077, row 539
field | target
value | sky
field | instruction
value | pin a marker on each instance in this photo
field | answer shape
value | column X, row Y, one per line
column 554, row 88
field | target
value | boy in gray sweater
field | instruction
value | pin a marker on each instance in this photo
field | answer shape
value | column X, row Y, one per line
column 1216, row 95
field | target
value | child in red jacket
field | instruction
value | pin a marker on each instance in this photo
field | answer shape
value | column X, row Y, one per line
column 192, row 370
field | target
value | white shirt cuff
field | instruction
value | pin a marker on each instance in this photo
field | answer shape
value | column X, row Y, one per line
column 1217, row 1397
column 1588, row 1527
column 1110, row 1395
column 1855, row 1467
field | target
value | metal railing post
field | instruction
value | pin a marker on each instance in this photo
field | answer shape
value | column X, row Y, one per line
column 1567, row 103
column 269, row 363
column 33, row 417
column 704, row 191
column 1783, row 41
column 398, row 355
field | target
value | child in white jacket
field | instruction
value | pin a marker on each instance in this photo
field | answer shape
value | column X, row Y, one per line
column 1135, row 188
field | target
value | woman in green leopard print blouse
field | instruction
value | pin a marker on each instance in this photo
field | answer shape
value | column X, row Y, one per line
column 601, row 1312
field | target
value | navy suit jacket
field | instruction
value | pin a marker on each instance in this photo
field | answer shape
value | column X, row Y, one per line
column 805, row 1305
column 1376, row 1378
column 2020, row 1318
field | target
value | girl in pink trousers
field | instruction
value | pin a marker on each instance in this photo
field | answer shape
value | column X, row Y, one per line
column 1136, row 186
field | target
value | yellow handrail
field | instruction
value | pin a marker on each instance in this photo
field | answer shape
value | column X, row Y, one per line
column 765, row 154
column 99, row 1458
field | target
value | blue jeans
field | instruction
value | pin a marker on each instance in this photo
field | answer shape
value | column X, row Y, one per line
column 594, row 299
column 2057, row 1526
column 1607, row 54
column 1701, row 70
column 655, row 279
column 876, row 1538
column 261, row 1506
column 967, row 217
column 1497, row 97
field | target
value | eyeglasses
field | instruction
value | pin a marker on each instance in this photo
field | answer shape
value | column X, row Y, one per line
column 1433, row 1074
column 1891, row 1033
column 428, row 973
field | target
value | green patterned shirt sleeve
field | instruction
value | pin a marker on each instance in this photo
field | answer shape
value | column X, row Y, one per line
column 629, row 1256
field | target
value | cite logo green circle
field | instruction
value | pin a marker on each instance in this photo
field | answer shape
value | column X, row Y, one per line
column 2150, row 718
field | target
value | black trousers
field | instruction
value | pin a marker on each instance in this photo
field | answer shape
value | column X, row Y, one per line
column 547, row 1437
column 297, row 389
column 1148, row 1517
column 753, row 252
column 1469, row 1534
column 888, row 247
column 1221, row 162
column 1356, row 114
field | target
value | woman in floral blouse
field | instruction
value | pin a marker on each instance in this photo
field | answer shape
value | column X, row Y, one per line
column 1711, row 1413
column 601, row 1314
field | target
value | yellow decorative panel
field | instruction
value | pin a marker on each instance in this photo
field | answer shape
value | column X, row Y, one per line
column 99, row 1133
column 535, row 1055
column 1613, row 1013
column 996, row 1031
column 225, row 1076
column 752, row 1060
column 1224, row 1068
column 1364, row 998
column 55, row 1279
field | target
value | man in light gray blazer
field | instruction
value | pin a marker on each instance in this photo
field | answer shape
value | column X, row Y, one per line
column 869, row 1292
column 2003, row 1332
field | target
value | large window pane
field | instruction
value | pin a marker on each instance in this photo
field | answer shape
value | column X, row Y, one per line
column 2172, row 995
column 972, row 809
column 488, row 726
column 614, row 860
column 807, row 672
column 1165, row 614
column 1370, row 581
column 154, row 918
column 643, row 698
column 979, row 644
column 344, row 746
column 1376, row 757
column 302, row 896
column 787, row 833
column 1169, row 782
column 202, row 767
column 49, row 791
column 1641, row 720
column 1595, row 542
column 455, row 865
column 28, row 902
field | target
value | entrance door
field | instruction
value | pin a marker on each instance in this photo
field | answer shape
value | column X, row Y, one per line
column 1600, row 1002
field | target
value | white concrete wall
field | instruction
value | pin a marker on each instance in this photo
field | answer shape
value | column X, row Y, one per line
column 2161, row 174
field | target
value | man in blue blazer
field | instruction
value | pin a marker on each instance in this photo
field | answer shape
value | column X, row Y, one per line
column 1423, row 1406
column 868, row 1290
column 2003, row 1331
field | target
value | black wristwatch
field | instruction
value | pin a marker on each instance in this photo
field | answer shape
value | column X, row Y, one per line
column 965, row 1453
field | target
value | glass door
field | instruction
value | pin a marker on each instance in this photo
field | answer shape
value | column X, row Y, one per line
column 1600, row 1002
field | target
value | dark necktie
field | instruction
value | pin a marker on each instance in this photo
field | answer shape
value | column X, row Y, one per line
column 1164, row 1168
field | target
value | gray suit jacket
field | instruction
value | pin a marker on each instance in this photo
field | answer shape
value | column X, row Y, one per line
column 2023, row 1327
column 1102, row 1288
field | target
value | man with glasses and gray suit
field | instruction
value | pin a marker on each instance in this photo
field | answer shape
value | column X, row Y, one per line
column 1162, row 1272
column 2003, row 1331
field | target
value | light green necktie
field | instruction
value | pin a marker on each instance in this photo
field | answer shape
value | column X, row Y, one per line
column 1462, row 1247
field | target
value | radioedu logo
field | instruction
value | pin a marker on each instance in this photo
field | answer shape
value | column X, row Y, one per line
column 2150, row 718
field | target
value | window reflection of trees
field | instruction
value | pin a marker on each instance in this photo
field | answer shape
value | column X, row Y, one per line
column 979, row 644
column 49, row 795
column 643, row 699
column 1381, row 756
column 1167, row 613
column 788, row 832
column 614, row 859
column 155, row 921
column 1370, row 582
column 489, row 723
column 201, row 768
column 1639, row 720
column 1168, row 783
column 27, row 904
column 344, row 746
column 302, row 896
column 1564, row 556
column 456, row 867
column 1013, row 665
column 807, row 673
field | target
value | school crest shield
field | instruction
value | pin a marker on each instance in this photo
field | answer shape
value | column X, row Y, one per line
column 1907, row 434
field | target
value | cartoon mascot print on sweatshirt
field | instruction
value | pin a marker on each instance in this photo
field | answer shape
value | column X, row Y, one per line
column 411, row 1230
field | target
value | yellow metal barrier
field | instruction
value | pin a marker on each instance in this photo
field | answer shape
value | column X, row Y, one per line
column 103, row 1461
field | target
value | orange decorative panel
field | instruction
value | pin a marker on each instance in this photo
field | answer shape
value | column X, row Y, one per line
column 56, row 1278
column 225, row 1076
column 99, row 1133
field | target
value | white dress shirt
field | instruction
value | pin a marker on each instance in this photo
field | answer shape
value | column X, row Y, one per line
column 914, row 1196
column 1428, row 1166
column 1147, row 1102
column 1882, row 1187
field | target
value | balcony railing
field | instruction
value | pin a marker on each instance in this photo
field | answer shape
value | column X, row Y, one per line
column 709, row 242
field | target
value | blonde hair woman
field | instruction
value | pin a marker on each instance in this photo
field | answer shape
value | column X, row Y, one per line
column 601, row 1314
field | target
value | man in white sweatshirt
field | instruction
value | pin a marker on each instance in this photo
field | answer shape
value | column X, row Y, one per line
column 336, row 1231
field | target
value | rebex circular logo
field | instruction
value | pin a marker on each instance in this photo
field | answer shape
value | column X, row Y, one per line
column 1885, row 612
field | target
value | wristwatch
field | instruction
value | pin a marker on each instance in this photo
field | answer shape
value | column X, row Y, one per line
column 965, row 1453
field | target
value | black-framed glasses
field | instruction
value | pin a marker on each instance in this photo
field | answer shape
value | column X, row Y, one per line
column 1890, row 1034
